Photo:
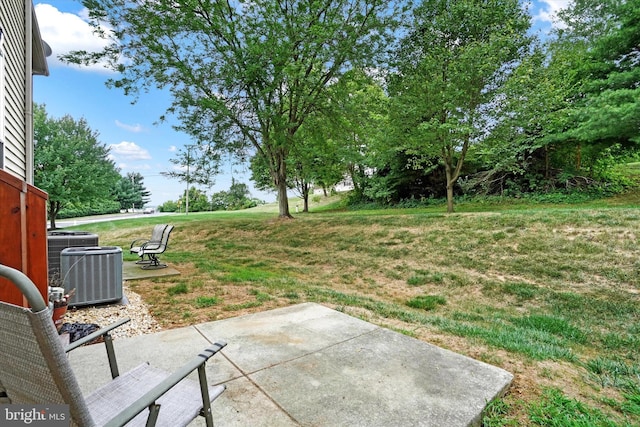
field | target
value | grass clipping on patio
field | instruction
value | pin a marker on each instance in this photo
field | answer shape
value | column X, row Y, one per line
column 550, row 295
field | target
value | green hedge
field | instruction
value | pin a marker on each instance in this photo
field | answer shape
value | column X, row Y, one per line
column 94, row 208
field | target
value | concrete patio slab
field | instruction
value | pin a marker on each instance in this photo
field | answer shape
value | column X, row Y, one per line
column 132, row 271
column 313, row 366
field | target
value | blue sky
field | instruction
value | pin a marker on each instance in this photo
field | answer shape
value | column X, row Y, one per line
column 136, row 143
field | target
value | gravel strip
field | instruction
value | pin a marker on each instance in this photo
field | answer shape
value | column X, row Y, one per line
column 103, row 315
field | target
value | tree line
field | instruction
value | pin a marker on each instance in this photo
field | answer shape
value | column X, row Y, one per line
column 237, row 197
column 409, row 100
column 74, row 168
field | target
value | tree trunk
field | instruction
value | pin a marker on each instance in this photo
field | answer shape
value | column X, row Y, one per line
column 449, row 196
column 280, row 181
column 453, row 172
column 283, row 201
column 54, row 208
column 305, row 197
column 450, row 174
column 546, row 162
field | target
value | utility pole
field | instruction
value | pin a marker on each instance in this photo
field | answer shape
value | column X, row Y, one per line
column 188, row 164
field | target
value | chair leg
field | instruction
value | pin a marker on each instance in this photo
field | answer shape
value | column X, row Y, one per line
column 152, row 419
column 111, row 356
column 206, row 401
column 153, row 263
column 144, row 261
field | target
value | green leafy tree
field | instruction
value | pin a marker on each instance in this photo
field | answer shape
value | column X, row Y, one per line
column 317, row 159
column 238, row 197
column 568, row 111
column 195, row 164
column 71, row 164
column 244, row 74
column 142, row 194
column 197, row 200
column 125, row 193
column 131, row 192
column 526, row 147
column 454, row 57
column 608, row 109
column 168, row 206
column 355, row 139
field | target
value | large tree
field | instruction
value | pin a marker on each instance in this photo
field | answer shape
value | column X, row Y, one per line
column 607, row 107
column 195, row 164
column 71, row 164
column 534, row 110
column 452, row 60
column 131, row 192
column 245, row 74
column 570, row 109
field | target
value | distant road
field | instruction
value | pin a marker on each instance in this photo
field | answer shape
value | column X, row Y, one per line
column 70, row 222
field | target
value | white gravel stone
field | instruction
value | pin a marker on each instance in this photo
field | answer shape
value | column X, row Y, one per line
column 132, row 306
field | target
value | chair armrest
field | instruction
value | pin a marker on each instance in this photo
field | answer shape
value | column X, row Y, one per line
column 151, row 245
column 152, row 395
column 97, row 334
column 138, row 242
column 108, row 344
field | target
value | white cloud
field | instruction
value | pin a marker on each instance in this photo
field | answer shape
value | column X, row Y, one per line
column 129, row 151
column 173, row 148
column 131, row 128
column 66, row 32
column 548, row 11
column 127, row 166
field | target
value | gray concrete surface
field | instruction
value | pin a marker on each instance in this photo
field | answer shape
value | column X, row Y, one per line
column 310, row 365
column 133, row 271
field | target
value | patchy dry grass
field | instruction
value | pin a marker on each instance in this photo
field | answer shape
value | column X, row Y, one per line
column 551, row 295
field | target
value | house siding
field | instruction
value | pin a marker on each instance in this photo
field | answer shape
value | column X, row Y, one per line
column 14, row 132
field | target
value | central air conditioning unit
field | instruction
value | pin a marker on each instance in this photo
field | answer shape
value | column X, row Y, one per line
column 94, row 272
column 59, row 240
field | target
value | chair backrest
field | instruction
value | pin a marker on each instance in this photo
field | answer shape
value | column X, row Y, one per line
column 157, row 236
column 158, row 231
column 34, row 367
column 165, row 236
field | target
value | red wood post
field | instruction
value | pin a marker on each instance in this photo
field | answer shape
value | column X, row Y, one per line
column 23, row 235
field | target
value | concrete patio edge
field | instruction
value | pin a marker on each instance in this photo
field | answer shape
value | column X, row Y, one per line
column 310, row 365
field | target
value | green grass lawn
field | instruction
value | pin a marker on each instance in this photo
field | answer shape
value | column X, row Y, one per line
column 547, row 292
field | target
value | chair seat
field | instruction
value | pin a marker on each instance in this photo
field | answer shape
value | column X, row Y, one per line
column 178, row 407
column 146, row 248
column 35, row 369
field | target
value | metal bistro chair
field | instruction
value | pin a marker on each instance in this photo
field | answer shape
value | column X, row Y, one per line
column 156, row 238
column 35, row 370
column 155, row 248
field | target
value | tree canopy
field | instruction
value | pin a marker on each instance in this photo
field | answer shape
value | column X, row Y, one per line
column 460, row 99
column 244, row 75
column 71, row 164
column 454, row 58
column 131, row 192
column 195, row 164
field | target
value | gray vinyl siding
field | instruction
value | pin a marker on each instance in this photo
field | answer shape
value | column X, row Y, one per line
column 12, row 22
